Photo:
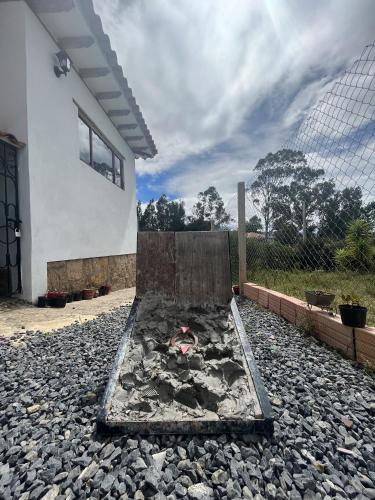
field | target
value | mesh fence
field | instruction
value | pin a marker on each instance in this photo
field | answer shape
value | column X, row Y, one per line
column 312, row 204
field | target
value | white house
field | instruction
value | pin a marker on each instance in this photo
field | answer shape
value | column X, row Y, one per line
column 68, row 145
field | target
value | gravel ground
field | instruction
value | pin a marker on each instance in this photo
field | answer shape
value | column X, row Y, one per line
column 322, row 448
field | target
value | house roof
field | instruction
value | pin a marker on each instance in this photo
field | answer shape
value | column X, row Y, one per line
column 256, row 236
column 78, row 30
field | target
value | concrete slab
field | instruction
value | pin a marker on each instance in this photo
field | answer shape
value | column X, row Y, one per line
column 17, row 316
column 154, row 389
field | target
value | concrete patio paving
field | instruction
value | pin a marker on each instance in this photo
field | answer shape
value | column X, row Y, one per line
column 17, row 316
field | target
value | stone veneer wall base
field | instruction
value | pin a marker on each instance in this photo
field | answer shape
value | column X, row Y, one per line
column 78, row 274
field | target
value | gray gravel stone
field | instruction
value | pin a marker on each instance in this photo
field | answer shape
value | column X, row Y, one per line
column 321, row 402
column 132, row 444
column 89, row 471
column 159, row 459
column 199, row 491
column 151, row 482
column 52, row 493
column 180, row 490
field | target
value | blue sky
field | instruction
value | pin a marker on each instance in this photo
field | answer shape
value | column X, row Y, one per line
column 221, row 83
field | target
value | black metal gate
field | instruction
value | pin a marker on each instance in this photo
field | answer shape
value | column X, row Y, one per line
column 10, row 249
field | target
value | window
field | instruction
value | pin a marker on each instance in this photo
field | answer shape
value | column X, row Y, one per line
column 101, row 157
column 118, row 172
column 97, row 153
column 84, row 142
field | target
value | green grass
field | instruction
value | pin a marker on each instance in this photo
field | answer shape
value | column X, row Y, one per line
column 295, row 283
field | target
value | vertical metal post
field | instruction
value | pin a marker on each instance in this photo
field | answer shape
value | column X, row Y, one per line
column 242, row 273
column 304, row 221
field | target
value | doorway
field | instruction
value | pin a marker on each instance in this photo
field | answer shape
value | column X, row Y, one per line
column 10, row 248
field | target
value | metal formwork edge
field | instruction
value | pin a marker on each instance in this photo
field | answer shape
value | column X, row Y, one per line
column 262, row 425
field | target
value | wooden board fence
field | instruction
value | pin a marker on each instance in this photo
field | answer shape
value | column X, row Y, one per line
column 191, row 267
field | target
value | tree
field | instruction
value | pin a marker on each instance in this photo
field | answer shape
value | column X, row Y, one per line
column 369, row 214
column 209, row 207
column 176, row 216
column 254, row 224
column 269, row 190
column 328, row 206
column 358, row 253
column 300, row 190
column 148, row 220
column 162, row 215
column 336, row 210
column 350, row 209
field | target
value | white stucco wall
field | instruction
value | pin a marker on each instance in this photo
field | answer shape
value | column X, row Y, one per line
column 13, row 113
column 75, row 212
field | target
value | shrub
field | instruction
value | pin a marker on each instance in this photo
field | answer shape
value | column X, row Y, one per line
column 262, row 255
column 317, row 253
column 270, row 255
column 359, row 251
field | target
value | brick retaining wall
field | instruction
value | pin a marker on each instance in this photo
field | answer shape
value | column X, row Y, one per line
column 355, row 343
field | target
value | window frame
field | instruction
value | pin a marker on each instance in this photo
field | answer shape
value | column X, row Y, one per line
column 115, row 153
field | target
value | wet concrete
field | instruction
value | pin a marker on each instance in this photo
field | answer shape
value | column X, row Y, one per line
column 158, row 382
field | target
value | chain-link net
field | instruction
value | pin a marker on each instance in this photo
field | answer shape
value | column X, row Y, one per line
column 312, row 204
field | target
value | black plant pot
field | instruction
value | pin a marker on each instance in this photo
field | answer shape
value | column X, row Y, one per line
column 102, row 291
column 58, row 302
column 354, row 316
column 77, row 296
column 69, row 297
column 42, row 301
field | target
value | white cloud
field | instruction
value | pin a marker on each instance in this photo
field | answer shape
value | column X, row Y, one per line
column 199, row 69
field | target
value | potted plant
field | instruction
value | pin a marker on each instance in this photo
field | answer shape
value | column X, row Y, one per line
column 319, row 298
column 77, row 296
column 88, row 293
column 42, row 301
column 56, row 299
column 352, row 313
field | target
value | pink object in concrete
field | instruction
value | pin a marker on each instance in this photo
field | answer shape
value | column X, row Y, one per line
column 184, row 348
column 185, row 329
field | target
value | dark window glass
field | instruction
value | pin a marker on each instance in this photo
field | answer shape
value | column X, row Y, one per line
column 84, row 142
column 95, row 152
column 118, row 173
column 101, row 157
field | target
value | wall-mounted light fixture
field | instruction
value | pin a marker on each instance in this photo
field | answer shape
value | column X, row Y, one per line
column 62, row 63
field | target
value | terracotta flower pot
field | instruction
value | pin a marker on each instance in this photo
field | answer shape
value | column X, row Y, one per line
column 55, row 295
column 88, row 293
